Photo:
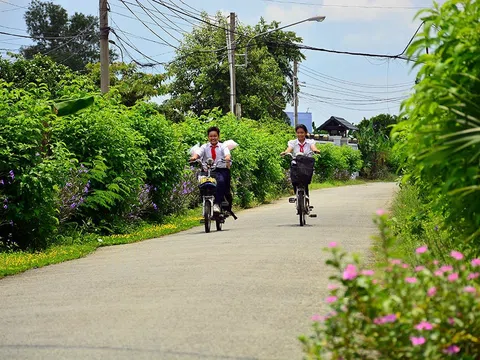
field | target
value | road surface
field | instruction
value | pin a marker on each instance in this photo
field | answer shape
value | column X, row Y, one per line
column 244, row 293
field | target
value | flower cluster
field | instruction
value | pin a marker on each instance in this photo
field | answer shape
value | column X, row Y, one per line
column 144, row 203
column 73, row 193
column 425, row 310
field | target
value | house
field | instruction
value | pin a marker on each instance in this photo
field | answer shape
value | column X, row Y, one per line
column 337, row 126
column 338, row 129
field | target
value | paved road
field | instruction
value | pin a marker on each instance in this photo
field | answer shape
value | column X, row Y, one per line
column 244, row 293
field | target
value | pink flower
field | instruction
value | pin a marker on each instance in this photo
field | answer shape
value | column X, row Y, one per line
column 417, row 340
column 432, row 291
column 422, row 249
column 411, row 280
column 473, row 276
column 424, row 325
column 332, row 287
column 451, row 321
column 419, row 268
column 385, row 319
column 318, row 318
column 456, row 255
column 438, row 273
column 350, row 272
column 333, row 244
column 475, row 262
column 395, row 261
column 452, row 349
column 405, row 266
column 380, row 212
column 331, row 299
column 453, row 277
column 435, row 262
column 446, row 268
column 367, row 272
column 469, row 289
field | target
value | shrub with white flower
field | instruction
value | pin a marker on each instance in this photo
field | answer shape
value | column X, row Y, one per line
column 400, row 311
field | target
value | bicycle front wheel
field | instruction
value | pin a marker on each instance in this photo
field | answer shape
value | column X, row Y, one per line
column 301, row 208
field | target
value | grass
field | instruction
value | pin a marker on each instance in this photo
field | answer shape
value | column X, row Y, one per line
column 335, row 183
column 16, row 262
column 12, row 263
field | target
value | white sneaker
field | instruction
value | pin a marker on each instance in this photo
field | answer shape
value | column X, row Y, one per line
column 216, row 208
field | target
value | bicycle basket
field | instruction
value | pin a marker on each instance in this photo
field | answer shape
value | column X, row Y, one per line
column 301, row 170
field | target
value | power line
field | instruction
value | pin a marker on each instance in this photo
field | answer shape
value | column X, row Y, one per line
column 346, row 6
column 151, row 16
column 346, row 82
column 148, row 27
column 38, row 37
column 17, row 7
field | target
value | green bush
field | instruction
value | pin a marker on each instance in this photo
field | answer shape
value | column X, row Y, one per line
column 427, row 311
column 29, row 166
column 336, row 162
column 415, row 223
column 440, row 136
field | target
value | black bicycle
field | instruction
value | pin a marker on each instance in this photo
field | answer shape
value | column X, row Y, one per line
column 301, row 173
column 207, row 184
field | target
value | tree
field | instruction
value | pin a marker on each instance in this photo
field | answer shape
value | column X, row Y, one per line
column 200, row 70
column 382, row 122
column 132, row 84
column 72, row 41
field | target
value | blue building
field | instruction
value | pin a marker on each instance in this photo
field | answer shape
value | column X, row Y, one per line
column 304, row 118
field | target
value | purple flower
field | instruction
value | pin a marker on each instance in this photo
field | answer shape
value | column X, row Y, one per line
column 73, row 206
column 5, row 207
column 11, row 222
column 452, row 349
column 155, row 207
column 11, row 174
column 2, row 182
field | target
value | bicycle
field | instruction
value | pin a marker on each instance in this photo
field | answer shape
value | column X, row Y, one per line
column 301, row 172
column 207, row 184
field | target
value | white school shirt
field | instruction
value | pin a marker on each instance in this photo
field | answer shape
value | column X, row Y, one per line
column 205, row 152
column 305, row 148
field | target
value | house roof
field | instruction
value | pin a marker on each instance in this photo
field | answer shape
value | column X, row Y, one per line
column 335, row 123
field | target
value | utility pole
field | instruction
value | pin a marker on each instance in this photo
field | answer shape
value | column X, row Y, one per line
column 295, row 92
column 104, row 51
column 231, row 60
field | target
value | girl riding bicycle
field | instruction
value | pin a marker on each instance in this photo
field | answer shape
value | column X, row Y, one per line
column 301, row 145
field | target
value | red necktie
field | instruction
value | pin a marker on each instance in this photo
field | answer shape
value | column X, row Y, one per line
column 214, row 152
column 301, row 146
